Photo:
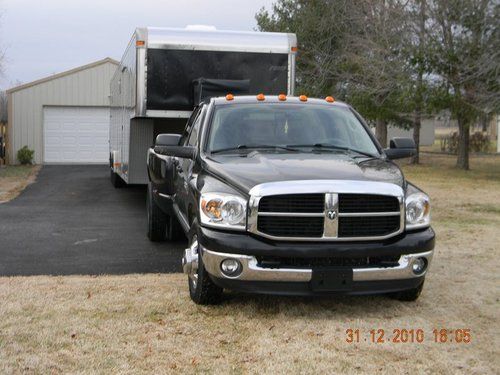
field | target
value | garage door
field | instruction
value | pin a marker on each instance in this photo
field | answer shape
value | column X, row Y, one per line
column 76, row 134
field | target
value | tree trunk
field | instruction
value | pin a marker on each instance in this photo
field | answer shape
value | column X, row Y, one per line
column 417, row 124
column 463, row 144
column 419, row 100
column 381, row 132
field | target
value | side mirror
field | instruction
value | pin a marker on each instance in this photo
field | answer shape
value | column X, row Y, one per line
column 167, row 140
column 185, row 152
column 400, row 148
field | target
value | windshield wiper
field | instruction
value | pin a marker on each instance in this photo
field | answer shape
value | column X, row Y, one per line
column 334, row 147
column 248, row 147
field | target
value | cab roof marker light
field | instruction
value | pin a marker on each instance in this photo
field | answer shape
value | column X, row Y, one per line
column 282, row 97
column 229, row 97
column 261, row 97
column 139, row 43
column 330, row 99
column 303, row 98
column 295, row 49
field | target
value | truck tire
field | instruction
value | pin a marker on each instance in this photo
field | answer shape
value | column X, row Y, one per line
column 116, row 180
column 202, row 290
column 409, row 295
column 157, row 219
column 174, row 229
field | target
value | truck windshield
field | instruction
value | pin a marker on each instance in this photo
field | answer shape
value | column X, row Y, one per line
column 288, row 127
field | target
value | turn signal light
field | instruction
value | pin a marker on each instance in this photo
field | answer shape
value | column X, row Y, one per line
column 330, row 99
column 139, row 43
column 282, row 97
column 303, row 98
column 260, row 97
column 229, row 97
column 295, row 49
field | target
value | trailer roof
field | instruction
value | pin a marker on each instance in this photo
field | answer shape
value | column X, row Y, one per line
column 217, row 40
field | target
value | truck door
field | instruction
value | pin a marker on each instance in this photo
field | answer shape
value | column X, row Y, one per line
column 184, row 168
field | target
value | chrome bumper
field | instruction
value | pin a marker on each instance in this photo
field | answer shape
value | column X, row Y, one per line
column 252, row 272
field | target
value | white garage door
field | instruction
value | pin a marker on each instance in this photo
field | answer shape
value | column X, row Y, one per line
column 76, row 134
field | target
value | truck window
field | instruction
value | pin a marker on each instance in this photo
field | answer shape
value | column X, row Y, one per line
column 193, row 137
column 287, row 125
column 189, row 125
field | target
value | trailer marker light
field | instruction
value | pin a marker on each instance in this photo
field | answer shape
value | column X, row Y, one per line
column 139, row 43
column 330, row 99
column 229, row 97
column 303, row 98
column 282, row 97
column 261, row 97
column 295, row 49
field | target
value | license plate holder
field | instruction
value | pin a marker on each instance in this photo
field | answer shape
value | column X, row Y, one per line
column 331, row 279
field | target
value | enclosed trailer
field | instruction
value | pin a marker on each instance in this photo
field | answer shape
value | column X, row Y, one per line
column 166, row 72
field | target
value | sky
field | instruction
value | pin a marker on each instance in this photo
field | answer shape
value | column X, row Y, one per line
column 44, row 37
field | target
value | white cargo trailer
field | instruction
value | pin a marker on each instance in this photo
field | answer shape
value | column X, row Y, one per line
column 166, row 72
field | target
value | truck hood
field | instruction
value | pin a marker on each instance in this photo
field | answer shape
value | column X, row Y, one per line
column 244, row 172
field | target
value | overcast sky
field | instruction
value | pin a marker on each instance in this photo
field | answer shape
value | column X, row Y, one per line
column 43, row 37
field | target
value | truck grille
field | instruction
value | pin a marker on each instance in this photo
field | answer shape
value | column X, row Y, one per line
column 293, row 203
column 307, row 216
column 295, row 262
column 291, row 226
column 367, row 226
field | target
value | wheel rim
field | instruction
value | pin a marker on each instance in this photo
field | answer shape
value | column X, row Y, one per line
column 193, row 274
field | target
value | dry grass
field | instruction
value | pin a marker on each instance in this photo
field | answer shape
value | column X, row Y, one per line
column 14, row 179
column 146, row 323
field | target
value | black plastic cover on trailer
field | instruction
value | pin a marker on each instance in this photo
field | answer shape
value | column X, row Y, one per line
column 172, row 74
column 209, row 88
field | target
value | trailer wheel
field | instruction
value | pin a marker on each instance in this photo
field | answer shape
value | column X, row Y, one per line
column 157, row 219
column 116, row 180
column 202, row 289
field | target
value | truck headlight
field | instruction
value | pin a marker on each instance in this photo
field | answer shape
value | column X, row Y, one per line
column 223, row 211
column 418, row 211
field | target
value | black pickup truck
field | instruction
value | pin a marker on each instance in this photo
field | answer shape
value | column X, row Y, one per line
column 288, row 195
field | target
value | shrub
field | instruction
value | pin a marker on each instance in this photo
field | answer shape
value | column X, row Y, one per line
column 25, row 155
column 478, row 142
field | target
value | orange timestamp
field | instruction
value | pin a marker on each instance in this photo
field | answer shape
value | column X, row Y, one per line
column 408, row 335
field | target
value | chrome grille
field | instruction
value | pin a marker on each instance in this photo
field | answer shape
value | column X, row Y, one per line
column 342, row 216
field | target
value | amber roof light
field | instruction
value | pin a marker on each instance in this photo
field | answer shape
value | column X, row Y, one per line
column 282, row 97
column 229, row 97
column 330, row 99
column 303, row 98
column 261, row 97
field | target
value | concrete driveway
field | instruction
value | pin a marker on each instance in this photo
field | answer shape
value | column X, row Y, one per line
column 72, row 221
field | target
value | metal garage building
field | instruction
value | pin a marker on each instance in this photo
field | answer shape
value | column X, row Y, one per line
column 64, row 117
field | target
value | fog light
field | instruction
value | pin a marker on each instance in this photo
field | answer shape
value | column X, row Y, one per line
column 419, row 265
column 231, row 267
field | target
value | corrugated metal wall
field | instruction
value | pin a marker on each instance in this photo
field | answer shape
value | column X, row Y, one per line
column 87, row 87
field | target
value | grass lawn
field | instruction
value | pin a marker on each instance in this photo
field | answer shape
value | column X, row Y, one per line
column 14, row 178
column 147, row 323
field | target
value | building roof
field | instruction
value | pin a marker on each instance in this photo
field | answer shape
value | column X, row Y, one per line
column 62, row 74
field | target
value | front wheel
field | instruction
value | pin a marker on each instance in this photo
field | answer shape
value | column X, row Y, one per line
column 202, row 289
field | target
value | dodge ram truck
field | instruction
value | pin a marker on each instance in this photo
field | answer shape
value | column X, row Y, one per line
column 288, row 195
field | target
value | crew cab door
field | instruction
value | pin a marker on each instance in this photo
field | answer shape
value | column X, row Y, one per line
column 183, row 171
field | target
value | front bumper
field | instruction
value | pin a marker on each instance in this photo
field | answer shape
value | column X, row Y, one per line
column 215, row 246
column 251, row 271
